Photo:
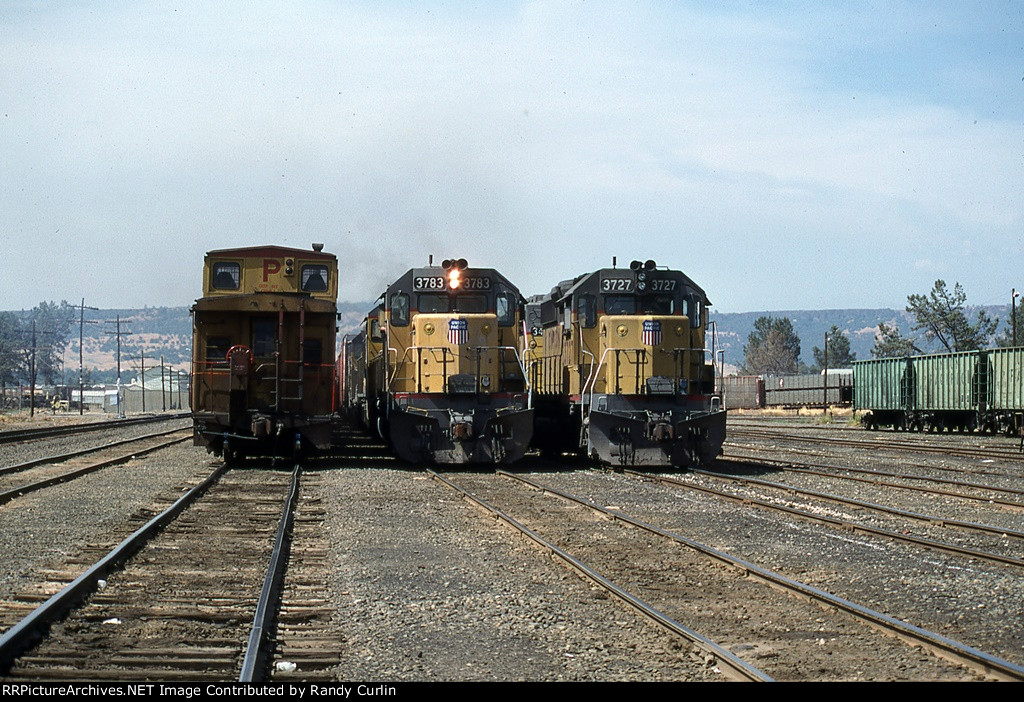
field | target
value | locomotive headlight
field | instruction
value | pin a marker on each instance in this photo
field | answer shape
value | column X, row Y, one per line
column 428, row 328
column 453, row 279
column 621, row 330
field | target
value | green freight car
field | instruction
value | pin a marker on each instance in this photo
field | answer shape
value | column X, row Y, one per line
column 961, row 391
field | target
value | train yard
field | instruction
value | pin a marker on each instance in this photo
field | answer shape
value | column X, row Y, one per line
column 791, row 558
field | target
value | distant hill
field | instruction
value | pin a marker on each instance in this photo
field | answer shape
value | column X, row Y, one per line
column 811, row 325
column 167, row 332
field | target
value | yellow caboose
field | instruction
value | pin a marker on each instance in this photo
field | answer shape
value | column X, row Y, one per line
column 263, row 350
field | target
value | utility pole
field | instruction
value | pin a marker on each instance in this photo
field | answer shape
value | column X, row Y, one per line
column 119, row 334
column 1013, row 312
column 824, row 376
column 81, row 325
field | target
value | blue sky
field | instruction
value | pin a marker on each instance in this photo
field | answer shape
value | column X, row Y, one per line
column 784, row 155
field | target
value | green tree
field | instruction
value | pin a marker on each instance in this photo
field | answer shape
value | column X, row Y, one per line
column 889, row 343
column 941, row 317
column 1007, row 337
column 10, row 349
column 839, row 355
column 772, row 348
column 52, row 328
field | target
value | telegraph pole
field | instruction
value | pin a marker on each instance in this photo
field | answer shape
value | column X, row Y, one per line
column 119, row 334
column 81, row 325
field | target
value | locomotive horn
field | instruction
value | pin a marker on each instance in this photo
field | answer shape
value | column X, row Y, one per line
column 447, row 263
column 650, row 265
column 462, row 264
column 635, row 266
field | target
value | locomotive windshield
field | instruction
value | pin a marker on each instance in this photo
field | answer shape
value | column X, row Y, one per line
column 647, row 304
column 441, row 302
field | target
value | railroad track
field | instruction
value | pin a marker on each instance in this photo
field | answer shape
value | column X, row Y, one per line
column 849, row 525
column 18, row 435
column 1006, row 453
column 180, row 599
column 795, row 644
column 39, row 473
column 874, row 476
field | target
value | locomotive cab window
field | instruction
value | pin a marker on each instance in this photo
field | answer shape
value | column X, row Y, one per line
column 659, row 304
column 505, row 306
column 471, row 304
column 226, row 275
column 314, row 278
column 586, row 311
column 619, row 304
column 695, row 310
column 400, row 309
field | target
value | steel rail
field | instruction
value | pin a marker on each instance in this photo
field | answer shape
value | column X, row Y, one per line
column 894, row 444
column 81, row 452
column 26, row 633
column 13, row 493
column 938, row 644
column 959, row 470
column 260, row 647
column 731, row 665
column 940, row 521
column 812, row 469
column 1009, row 503
column 841, row 523
column 29, row 434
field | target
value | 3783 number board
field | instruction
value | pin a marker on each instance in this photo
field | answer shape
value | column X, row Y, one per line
column 439, row 282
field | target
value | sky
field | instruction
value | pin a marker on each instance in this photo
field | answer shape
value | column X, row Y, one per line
column 784, row 155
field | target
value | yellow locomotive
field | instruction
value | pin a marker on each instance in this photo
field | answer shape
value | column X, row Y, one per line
column 437, row 369
column 263, row 350
column 618, row 368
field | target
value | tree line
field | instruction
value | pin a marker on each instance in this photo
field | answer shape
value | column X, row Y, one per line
column 31, row 344
column 940, row 321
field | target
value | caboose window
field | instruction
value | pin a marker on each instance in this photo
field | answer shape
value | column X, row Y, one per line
column 264, row 337
column 226, row 275
column 312, row 352
column 217, row 349
column 314, row 278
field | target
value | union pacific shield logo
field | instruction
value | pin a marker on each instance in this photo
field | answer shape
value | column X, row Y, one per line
column 458, row 331
column 651, row 335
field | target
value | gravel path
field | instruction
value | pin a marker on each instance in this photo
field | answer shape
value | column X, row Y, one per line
column 429, row 589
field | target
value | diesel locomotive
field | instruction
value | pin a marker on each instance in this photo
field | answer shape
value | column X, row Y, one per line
column 437, row 370
column 618, row 368
column 263, row 350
